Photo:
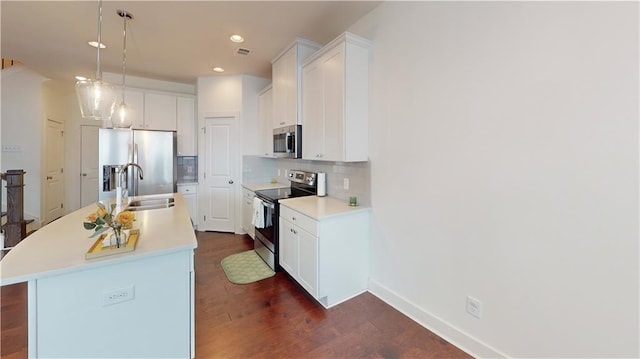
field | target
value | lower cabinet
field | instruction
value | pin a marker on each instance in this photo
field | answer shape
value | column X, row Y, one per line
column 247, row 212
column 328, row 257
column 190, row 193
column 296, row 243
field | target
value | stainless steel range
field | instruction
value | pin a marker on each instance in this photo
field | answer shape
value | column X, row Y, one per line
column 266, row 243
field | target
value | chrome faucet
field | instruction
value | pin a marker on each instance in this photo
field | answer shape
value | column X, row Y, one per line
column 120, row 171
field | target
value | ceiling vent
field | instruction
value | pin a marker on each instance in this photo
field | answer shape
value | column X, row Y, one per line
column 242, row 52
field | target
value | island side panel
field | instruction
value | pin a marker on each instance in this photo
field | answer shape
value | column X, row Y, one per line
column 135, row 309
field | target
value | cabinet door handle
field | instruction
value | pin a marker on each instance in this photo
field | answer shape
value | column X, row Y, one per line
column 230, row 181
column 84, row 175
column 293, row 218
column 294, row 231
column 49, row 177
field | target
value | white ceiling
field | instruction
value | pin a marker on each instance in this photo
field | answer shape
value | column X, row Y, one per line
column 167, row 40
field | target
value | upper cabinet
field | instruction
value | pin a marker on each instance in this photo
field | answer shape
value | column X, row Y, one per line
column 135, row 106
column 286, row 78
column 335, row 91
column 159, row 112
column 186, row 122
column 265, row 119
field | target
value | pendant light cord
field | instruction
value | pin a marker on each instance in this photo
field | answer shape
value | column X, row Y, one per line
column 98, row 72
column 124, row 53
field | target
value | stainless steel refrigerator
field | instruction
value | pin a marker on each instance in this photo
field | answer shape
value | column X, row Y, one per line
column 153, row 151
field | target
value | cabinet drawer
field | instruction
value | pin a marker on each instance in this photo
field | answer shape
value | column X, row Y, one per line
column 248, row 195
column 306, row 223
column 188, row 189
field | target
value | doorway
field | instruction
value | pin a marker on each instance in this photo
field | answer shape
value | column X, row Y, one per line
column 53, row 185
column 88, row 165
column 218, row 179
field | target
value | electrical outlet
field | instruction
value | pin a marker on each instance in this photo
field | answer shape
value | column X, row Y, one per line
column 118, row 296
column 474, row 307
column 11, row 148
column 346, row 183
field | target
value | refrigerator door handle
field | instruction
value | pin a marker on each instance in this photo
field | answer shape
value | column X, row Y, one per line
column 130, row 188
column 134, row 170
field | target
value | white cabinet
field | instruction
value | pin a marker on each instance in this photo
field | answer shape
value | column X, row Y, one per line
column 134, row 99
column 335, row 101
column 247, row 212
column 299, row 249
column 286, row 74
column 288, row 246
column 190, row 193
column 327, row 257
column 308, row 263
column 159, row 112
column 186, row 124
column 265, row 118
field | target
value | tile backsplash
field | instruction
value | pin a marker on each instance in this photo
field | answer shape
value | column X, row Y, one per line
column 187, row 169
column 259, row 169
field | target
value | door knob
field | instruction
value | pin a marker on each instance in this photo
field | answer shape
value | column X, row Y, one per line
column 230, row 181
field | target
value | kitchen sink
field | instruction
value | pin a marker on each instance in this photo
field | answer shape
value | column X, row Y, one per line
column 150, row 203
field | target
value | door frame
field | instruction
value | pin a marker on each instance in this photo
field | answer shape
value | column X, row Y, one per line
column 202, row 118
column 44, row 192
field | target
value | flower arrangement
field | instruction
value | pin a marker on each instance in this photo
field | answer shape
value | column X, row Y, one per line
column 102, row 220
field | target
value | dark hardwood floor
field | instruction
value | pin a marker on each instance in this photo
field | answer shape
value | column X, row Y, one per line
column 272, row 318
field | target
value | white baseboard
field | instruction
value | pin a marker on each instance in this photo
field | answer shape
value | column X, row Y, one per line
column 440, row 327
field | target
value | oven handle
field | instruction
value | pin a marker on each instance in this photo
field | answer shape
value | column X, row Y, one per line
column 266, row 203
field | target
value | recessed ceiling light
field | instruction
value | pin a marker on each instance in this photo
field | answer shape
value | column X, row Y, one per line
column 236, row 38
column 81, row 78
column 95, row 44
column 218, row 69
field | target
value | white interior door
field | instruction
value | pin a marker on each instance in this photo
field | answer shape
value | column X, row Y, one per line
column 218, row 197
column 89, row 165
column 54, row 172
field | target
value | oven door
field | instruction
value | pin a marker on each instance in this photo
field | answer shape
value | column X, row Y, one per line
column 267, row 238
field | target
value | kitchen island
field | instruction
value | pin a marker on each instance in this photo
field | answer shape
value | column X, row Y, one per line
column 135, row 304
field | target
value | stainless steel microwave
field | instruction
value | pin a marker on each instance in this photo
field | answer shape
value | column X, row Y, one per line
column 287, row 141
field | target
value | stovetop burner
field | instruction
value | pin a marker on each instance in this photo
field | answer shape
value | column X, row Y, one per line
column 302, row 184
column 274, row 195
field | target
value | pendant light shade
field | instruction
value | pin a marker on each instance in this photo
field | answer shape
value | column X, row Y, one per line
column 97, row 99
column 122, row 117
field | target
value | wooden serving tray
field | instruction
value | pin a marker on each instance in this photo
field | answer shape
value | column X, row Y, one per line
column 97, row 250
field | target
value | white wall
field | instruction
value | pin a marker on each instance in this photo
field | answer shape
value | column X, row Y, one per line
column 251, row 86
column 504, row 165
column 219, row 94
column 22, row 124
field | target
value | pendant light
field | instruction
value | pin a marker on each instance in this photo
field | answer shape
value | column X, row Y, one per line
column 122, row 117
column 97, row 98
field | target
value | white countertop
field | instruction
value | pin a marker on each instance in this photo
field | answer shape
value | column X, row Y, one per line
column 259, row 186
column 60, row 246
column 321, row 207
